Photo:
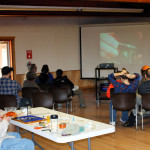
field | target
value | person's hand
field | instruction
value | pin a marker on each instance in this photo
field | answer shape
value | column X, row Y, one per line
column 1, row 118
column 130, row 76
column 124, row 72
column 6, row 118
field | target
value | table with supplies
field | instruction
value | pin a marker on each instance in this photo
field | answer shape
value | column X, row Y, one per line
column 68, row 128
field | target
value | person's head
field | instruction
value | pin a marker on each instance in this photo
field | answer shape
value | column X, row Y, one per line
column 6, row 71
column 33, row 68
column 118, row 77
column 143, row 70
column 147, row 74
column 59, row 73
column 124, row 78
column 124, row 69
column 31, row 76
column 45, row 69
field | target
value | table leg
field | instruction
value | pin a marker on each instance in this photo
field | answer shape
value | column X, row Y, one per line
column 72, row 146
column 89, row 144
column 18, row 129
column 36, row 142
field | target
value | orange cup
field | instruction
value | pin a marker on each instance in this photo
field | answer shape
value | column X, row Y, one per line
column 62, row 125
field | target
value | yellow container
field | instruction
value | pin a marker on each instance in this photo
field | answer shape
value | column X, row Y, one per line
column 48, row 119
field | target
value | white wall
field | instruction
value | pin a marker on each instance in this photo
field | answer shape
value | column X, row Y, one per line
column 53, row 40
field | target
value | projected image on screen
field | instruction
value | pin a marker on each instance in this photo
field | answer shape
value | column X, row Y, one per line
column 113, row 50
column 124, row 45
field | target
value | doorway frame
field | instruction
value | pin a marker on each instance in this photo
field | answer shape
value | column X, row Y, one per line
column 12, row 39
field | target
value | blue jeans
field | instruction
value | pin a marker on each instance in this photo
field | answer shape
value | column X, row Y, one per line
column 17, row 143
column 124, row 113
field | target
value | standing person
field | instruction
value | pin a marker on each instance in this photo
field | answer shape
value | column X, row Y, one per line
column 45, row 76
column 8, row 86
column 124, row 87
column 33, row 68
column 60, row 80
column 12, row 140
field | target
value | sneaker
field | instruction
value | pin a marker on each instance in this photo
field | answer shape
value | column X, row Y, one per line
column 112, row 123
column 122, row 120
column 127, row 124
column 82, row 105
column 130, row 122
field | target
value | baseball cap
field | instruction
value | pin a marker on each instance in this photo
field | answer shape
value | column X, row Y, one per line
column 145, row 67
column 31, row 75
column 6, row 70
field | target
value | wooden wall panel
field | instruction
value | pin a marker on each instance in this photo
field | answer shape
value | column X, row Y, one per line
column 73, row 75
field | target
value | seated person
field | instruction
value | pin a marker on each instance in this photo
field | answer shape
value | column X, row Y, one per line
column 144, row 87
column 29, row 82
column 60, row 80
column 30, row 78
column 143, row 72
column 12, row 140
column 45, row 77
column 124, row 87
column 131, row 120
column 8, row 86
column 142, row 79
column 118, row 79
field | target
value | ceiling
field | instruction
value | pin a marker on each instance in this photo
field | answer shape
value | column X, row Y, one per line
column 99, row 8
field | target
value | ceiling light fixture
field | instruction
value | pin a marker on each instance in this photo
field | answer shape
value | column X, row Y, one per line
column 56, row 8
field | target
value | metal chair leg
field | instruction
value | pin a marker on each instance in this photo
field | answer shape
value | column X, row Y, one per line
column 71, row 105
column 54, row 106
column 67, row 107
column 112, row 114
column 136, row 115
column 142, row 117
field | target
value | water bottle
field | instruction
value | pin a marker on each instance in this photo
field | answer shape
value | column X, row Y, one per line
column 54, row 123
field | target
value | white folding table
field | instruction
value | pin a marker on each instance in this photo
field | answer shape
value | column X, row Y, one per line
column 92, row 128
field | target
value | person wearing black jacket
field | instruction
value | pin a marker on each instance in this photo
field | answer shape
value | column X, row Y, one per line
column 45, row 76
column 60, row 80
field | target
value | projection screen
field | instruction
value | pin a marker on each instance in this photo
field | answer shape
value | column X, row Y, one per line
column 125, row 45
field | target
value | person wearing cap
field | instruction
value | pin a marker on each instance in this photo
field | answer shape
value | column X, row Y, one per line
column 30, row 78
column 8, row 86
column 130, row 122
column 124, row 87
column 143, row 71
column 144, row 87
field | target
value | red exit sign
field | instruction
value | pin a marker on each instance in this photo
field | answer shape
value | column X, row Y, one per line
column 29, row 54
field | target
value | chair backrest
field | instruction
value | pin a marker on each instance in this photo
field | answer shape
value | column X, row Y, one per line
column 69, row 89
column 60, row 95
column 42, row 99
column 7, row 101
column 146, row 101
column 44, row 87
column 27, row 91
column 123, row 101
